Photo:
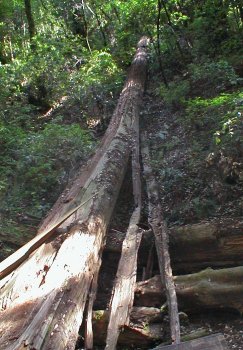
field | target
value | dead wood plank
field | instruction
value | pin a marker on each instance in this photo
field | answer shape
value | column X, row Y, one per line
column 210, row 342
column 160, row 231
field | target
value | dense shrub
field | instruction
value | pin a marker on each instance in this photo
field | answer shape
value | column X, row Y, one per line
column 210, row 78
column 175, row 95
column 39, row 164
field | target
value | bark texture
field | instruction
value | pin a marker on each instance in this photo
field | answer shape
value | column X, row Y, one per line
column 215, row 243
column 46, row 295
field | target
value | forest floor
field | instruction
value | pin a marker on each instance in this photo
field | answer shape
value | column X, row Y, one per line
column 227, row 323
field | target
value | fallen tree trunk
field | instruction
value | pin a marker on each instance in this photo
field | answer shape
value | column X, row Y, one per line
column 215, row 243
column 208, row 289
column 123, row 292
column 212, row 341
column 46, row 295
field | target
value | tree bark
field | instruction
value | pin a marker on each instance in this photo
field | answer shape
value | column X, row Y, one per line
column 208, row 289
column 89, row 336
column 46, row 295
column 160, row 231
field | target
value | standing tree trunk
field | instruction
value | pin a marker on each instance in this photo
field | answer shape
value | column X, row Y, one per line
column 158, row 45
column 46, row 295
column 30, row 19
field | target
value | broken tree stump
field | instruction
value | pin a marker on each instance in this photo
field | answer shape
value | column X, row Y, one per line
column 144, row 329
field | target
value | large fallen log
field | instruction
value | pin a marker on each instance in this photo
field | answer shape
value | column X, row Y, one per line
column 46, row 294
column 208, row 289
column 214, row 243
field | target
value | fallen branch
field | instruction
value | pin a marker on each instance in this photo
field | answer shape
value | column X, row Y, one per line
column 160, row 231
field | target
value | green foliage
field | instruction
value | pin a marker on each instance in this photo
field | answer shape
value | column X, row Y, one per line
column 101, row 73
column 176, row 94
column 130, row 22
column 231, row 131
column 10, row 139
column 214, row 28
column 220, row 118
column 202, row 112
column 40, row 164
column 212, row 76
